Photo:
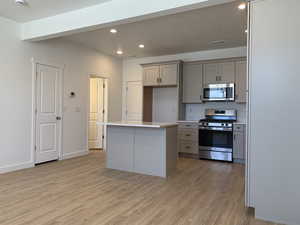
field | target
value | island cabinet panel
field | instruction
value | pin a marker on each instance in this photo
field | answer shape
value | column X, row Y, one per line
column 144, row 150
column 149, row 156
column 121, row 148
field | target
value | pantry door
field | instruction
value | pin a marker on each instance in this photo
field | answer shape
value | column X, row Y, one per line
column 97, row 113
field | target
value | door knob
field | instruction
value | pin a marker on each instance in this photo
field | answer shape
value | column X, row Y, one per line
column 58, row 118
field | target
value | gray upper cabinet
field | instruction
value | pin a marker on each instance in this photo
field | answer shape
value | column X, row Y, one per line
column 227, row 72
column 215, row 73
column 151, row 75
column 192, row 82
column 241, row 81
column 161, row 75
column 168, row 74
column 211, row 73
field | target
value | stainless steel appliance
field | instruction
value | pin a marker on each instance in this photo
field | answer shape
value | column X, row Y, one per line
column 216, row 135
column 219, row 92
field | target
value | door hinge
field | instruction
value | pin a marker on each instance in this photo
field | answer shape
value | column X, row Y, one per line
column 35, row 148
column 103, row 85
column 35, row 111
column 103, row 111
column 102, row 136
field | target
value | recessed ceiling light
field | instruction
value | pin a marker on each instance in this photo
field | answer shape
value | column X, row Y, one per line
column 20, row 2
column 113, row 31
column 141, row 46
column 242, row 6
column 120, row 52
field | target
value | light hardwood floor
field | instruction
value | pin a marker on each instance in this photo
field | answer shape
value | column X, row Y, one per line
column 82, row 192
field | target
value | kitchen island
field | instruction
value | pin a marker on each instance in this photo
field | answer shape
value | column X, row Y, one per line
column 142, row 147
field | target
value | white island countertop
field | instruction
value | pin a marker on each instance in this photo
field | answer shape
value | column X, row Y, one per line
column 139, row 124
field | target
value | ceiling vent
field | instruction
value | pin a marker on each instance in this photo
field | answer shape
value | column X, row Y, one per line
column 218, row 42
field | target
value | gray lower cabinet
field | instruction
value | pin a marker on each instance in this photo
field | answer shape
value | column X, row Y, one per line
column 188, row 135
column 239, row 142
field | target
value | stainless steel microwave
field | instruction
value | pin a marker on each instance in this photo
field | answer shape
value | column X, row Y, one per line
column 219, row 92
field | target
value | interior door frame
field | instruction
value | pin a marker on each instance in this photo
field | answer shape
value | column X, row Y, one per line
column 249, row 202
column 61, row 67
column 106, row 104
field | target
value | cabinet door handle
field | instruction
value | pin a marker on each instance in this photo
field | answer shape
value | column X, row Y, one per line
column 157, row 80
column 187, row 147
column 234, row 137
column 187, row 135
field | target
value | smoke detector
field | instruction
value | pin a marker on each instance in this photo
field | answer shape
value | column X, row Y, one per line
column 20, row 2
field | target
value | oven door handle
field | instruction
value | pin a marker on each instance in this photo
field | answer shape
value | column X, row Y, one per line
column 216, row 128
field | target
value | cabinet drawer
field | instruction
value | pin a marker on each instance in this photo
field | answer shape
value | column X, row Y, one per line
column 188, row 134
column 187, row 147
column 238, row 127
column 188, row 126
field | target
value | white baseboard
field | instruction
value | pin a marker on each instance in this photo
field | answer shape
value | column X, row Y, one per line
column 75, row 154
column 274, row 220
column 16, row 167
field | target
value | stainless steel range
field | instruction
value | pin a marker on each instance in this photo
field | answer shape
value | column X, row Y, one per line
column 216, row 135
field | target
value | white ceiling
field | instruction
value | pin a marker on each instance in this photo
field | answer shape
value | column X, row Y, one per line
column 37, row 9
column 184, row 32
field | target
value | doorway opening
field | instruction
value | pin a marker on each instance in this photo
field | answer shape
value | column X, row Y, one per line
column 98, row 113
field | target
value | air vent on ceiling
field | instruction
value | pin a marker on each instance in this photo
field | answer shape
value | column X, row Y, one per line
column 217, row 42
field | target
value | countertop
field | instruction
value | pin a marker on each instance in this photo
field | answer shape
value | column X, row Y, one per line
column 139, row 124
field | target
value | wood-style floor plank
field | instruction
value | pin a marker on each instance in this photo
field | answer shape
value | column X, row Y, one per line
column 82, row 191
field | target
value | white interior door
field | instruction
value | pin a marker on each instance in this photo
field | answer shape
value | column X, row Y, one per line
column 97, row 111
column 134, row 101
column 48, row 113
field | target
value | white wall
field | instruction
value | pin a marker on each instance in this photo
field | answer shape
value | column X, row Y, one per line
column 16, row 92
column 274, row 109
column 132, row 71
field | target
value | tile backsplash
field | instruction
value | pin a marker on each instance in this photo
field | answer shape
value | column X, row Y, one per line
column 197, row 111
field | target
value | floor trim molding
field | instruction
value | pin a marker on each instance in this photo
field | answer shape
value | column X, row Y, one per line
column 74, row 154
column 15, row 167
